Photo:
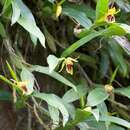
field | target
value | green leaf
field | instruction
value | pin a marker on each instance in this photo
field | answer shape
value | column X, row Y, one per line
column 26, row 75
column 103, row 109
column 95, row 113
column 16, row 13
column 116, row 120
column 83, row 126
column 81, row 42
column 50, row 40
column 7, row 4
column 123, row 91
column 52, row 62
column 55, row 75
column 54, row 113
column 78, row 15
column 100, row 125
column 117, row 57
column 34, row 39
column 25, row 11
column 80, row 116
column 27, row 21
column 104, row 63
column 2, row 30
column 114, row 29
column 56, row 102
column 71, row 95
column 87, row 59
column 116, row 127
column 123, row 42
column 125, row 27
column 101, row 8
column 104, row 112
column 33, row 29
column 96, row 96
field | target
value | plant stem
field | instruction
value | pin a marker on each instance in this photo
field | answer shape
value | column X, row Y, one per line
column 82, row 102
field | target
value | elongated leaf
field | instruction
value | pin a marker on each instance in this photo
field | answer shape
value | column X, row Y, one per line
column 55, row 75
column 27, row 21
column 101, row 8
column 34, row 39
column 33, row 29
column 125, row 27
column 78, row 15
column 80, row 115
column 117, row 57
column 7, row 4
column 117, row 120
column 95, row 113
column 123, row 91
column 50, row 40
column 89, row 60
column 16, row 13
column 54, row 113
column 56, row 102
column 25, row 11
column 81, row 42
column 116, row 127
column 2, row 30
column 123, row 42
column 104, row 112
column 96, row 96
column 82, row 7
column 104, row 64
column 94, row 125
column 83, row 126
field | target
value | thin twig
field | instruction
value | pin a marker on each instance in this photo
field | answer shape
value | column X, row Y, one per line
column 39, row 119
column 85, row 75
column 41, row 108
column 119, row 105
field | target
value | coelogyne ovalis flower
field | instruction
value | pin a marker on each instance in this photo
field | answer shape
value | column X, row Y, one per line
column 23, row 86
column 68, row 62
column 110, row 15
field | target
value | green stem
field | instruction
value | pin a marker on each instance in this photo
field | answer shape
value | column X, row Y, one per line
column 11, row 71
column 61, row 2
column 82, row 102
column 8, row 81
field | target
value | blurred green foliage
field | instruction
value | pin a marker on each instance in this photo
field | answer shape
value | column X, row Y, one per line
column 41, row 37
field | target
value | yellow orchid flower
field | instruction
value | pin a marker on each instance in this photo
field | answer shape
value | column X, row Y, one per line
column 68, row 62
column 110, row 15
column 23, row 86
